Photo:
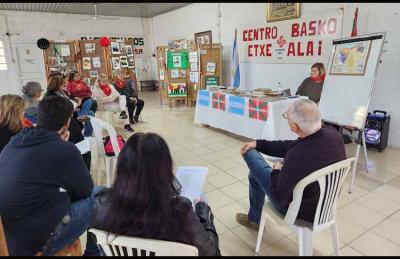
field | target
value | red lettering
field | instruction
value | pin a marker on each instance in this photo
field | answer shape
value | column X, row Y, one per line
column 331, row 28
column 299, row 53
column 310, row 49
column 255, row 32
column 295, row 29
column 312, row 28
column 250, row 37
column 267, row 33
column 319, row 47
column 269, row 45
column 274, row 32
column 262, row 33
column 291, row 49
column 262, row 50
column 249, row 51
column 321, row 27
column 244, row 35
column 256, row 47
column 303, row 31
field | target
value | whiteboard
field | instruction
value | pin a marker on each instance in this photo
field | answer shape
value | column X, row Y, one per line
column 345, row 98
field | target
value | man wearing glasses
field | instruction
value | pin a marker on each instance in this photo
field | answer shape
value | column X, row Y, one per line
column 317, row 147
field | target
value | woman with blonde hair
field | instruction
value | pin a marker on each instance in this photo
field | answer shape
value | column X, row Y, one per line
column 12, row 113
column 312, row 86
column 109, row 99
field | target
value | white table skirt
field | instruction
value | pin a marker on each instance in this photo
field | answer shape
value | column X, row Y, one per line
column 274, row 128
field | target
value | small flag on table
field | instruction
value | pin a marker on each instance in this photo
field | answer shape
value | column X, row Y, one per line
column 218, row 101
column 258, row 109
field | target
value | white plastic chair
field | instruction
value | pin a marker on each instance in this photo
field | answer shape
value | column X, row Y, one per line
column 113, row 245
column 330, row 180
column 109, row 161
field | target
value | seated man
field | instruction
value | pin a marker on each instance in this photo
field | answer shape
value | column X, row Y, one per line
column 46, row 191
column 317, row 147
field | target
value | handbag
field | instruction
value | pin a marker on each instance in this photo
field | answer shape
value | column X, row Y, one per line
column 108, row 148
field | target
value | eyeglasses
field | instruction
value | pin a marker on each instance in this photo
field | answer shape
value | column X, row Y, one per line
column 284, row 115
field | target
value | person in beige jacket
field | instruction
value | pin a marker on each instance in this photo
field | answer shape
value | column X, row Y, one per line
column 109, row 99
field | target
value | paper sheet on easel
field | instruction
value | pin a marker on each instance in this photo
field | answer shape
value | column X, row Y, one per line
column 83, row 146
column 192, row 180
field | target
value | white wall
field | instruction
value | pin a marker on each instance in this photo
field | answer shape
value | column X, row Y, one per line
column 373, row 17
column 34, row 25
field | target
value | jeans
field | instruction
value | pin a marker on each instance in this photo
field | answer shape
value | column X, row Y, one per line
column 260, row 185
column 85, row 109
column 80, row 213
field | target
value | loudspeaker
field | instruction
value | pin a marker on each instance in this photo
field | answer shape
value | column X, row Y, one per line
column 377, row 130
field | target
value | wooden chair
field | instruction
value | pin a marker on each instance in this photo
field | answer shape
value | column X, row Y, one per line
column 75, row 249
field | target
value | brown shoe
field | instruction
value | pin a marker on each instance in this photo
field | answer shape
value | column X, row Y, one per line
column 243, row 219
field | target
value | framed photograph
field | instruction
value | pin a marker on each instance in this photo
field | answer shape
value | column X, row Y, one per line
column 350, row 59
column 94, row 73
column 96, row 62
column 177, row 90
column 87, row 81
column 177, row 61
column 115, row 48
column 204, row 37
column 122, row 48
column 86, row 63
column 174, row 73
column 123, row 61
column 90, row 48
column 282, row 11
column 115, row 63
column 162, row 75
column 182, row 73
column 128, row 49
column 210, row 69
column 193, row 67
column 131, row 62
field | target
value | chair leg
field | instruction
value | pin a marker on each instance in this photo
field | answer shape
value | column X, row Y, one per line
column 335, row 239
column 261, row 232
column 305, row 237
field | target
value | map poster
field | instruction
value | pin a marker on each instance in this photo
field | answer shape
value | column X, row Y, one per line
column 351, row 58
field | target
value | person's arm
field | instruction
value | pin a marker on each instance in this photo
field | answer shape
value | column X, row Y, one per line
column 102, row 98
column 300, row 90
column 205, row 235
column 274, row 148
column 74, row 175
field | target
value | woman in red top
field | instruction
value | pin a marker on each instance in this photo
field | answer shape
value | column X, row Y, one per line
column 77, row 88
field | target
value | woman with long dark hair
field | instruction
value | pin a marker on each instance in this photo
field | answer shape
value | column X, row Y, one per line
column 144, row 200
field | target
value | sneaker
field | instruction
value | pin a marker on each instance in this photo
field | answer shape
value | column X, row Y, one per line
column 83, row 118
column 122, row 113
column 128, row 128
column 131, row 120
column 124, row 116
column 136, row 118
column 243, row 219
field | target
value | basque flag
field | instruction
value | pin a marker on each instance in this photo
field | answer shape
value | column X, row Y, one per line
column 235, row 64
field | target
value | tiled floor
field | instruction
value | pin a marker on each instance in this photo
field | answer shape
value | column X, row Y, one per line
column 368, row 219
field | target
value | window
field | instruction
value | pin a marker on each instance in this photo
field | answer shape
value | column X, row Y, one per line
column 3, row 63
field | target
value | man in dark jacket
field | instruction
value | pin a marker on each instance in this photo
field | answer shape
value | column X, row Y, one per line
column 316, row 148
column 46, row 191
column 127, row 88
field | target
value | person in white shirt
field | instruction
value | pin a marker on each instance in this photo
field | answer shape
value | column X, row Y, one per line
column 110, row 99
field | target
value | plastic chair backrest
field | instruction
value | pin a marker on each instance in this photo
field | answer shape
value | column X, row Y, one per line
column 330, row 180
column 113, row 245
column 98, row 127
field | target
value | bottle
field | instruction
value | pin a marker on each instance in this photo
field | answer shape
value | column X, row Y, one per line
column 280, row 90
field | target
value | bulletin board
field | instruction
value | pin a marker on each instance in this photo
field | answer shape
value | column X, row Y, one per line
column 210, row 63
column 120, row 55
column 61, row 56
column 93, row 60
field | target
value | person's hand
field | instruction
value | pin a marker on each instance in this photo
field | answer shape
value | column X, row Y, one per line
column 78, row 101
column 247, row 146
column 133, row 99
column 64, row 135
column 277, row 165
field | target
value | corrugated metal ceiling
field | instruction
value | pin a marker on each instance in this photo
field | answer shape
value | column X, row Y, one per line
column 105, row 9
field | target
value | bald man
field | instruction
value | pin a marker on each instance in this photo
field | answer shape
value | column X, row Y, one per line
column 317, row 147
